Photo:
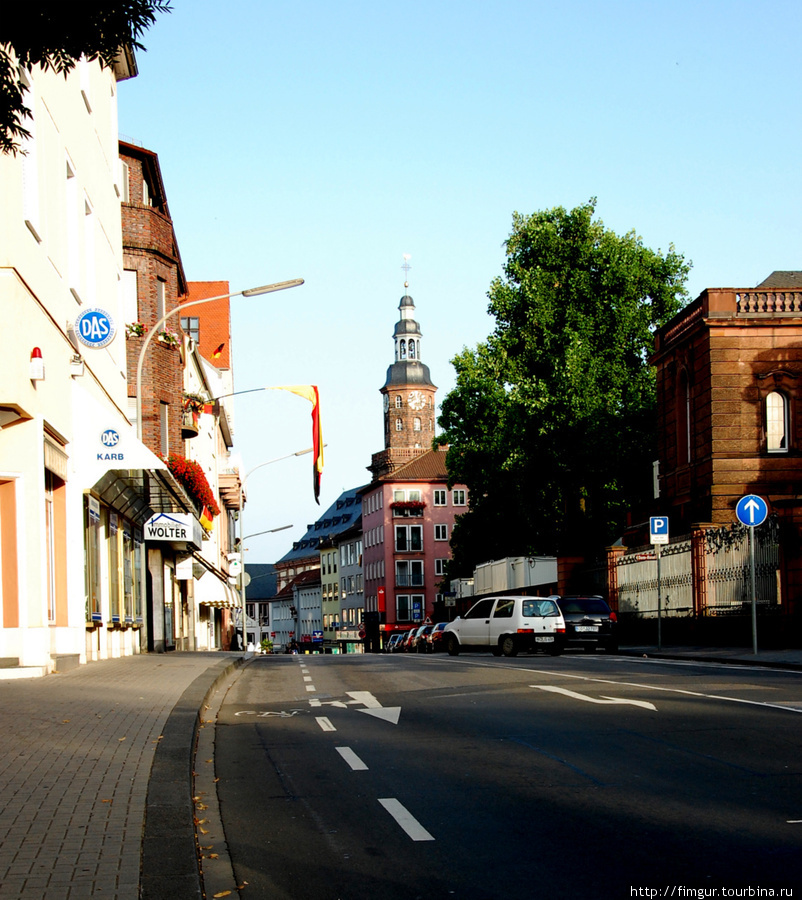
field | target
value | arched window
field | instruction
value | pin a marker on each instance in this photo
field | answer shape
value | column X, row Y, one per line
column 399, row 425
column 777, row 422
column 412, row 350
column 416, row 424
column 398, row 401
column 403, row 349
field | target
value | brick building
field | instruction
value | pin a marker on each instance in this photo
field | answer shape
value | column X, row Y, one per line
column 729, row 392
column 153, row 282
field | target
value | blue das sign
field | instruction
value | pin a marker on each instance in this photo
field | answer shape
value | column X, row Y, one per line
column 95, row 328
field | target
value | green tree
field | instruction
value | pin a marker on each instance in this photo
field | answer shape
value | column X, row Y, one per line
column 55, row 36
column 551, row 424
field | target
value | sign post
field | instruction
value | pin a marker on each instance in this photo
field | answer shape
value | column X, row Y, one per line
column 658, row 534
column 751, row 511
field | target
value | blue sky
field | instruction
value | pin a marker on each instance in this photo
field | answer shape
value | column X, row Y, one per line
column 325, row 140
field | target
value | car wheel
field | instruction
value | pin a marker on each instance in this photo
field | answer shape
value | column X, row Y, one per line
column 508, row 646
column 452, row 645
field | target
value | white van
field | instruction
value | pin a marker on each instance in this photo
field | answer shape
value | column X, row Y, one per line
column 508, row 625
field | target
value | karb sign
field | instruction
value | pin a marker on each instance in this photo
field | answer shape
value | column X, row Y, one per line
column 658, row 529
column 95, row 328
column 752, row 510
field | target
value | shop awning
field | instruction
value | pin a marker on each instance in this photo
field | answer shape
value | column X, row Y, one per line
column 108, row 458
column 213, row 591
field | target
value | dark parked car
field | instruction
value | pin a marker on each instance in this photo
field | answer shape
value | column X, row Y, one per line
column 589, row 623
column 394, row 641
column 420, row 643
column 436, row 642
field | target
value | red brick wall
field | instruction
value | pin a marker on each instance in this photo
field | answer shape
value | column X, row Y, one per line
column 149, row 248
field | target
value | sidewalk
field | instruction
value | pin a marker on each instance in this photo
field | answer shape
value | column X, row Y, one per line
column 78, row 753
column 737, row 656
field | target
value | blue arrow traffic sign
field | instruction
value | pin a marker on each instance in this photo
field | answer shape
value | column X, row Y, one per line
column 752, row 510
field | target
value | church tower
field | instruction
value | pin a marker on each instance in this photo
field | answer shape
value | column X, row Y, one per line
column 408, row 395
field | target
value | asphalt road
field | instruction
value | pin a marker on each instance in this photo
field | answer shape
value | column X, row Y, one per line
column 474, row 777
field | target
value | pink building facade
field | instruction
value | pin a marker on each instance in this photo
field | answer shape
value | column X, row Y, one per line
column 408, row 509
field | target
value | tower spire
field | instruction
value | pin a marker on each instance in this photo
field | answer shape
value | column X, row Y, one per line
column 406, row 267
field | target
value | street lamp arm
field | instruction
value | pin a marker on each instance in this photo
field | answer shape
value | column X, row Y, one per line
column 250, row 292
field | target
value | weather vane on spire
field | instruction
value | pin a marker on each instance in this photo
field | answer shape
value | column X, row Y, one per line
column 406, row 267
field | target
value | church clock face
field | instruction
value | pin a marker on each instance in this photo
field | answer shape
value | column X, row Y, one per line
column 417, row 399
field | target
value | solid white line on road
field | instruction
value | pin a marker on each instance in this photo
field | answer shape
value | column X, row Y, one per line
column 406, row 820
column 602, row 700
column 324, row 723
column 352, row 759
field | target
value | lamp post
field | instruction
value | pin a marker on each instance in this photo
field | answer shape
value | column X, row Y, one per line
column 242, row 529
column 250, row 292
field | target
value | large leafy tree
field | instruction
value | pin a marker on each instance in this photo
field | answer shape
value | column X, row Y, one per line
column 55, row 35
column 551, row 424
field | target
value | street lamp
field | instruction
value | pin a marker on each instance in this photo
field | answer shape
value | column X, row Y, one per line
column 250, row 292
column 242, row 529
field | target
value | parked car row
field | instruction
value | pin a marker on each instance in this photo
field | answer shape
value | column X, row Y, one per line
column 511, row 624
column 420, row 639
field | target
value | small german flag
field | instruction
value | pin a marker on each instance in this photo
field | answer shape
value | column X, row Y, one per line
column 218, row 352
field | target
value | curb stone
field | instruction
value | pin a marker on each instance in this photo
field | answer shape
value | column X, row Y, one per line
column 169, row 863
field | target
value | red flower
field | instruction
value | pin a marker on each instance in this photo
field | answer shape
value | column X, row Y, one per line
column 192, row 477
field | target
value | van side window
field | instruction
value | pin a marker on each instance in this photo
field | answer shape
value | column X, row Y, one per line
column 504, row 609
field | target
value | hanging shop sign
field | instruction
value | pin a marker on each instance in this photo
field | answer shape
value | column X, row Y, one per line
column 174, row 528
column 95, row 328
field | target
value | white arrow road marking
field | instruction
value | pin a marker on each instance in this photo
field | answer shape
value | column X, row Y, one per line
column 602, row 700
column 352, row 759
column 324, row 723
column 388, row 713
column 374, row 708
column 406, row 820
column 365, row 698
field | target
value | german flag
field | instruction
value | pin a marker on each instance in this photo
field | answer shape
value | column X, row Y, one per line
column 310, row 392
column 219, row 351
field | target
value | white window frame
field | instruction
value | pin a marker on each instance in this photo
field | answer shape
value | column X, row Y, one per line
column 441, row 532
column 777, row 422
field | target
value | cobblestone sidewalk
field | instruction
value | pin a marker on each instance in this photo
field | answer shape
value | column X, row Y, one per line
column 76, row 752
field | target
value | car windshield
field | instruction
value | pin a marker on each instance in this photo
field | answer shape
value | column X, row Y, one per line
column 540, row 608
column 593, row 605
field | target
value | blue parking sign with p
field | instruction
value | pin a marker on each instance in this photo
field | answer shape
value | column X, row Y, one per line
column 658, row 529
